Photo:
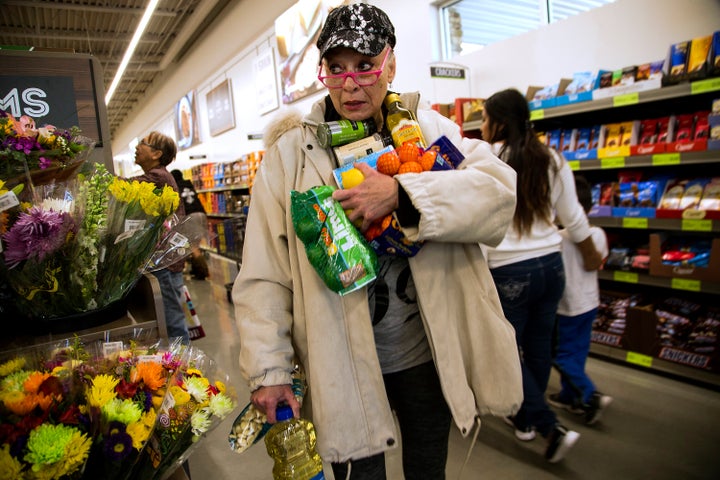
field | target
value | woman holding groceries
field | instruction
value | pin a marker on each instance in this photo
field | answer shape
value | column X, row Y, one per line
column 427, row 339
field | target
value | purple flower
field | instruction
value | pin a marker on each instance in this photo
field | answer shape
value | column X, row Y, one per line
column 37, row 234
column 44, row 162
column 117, row 446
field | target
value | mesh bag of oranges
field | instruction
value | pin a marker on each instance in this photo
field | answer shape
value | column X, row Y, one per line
column 385, row 236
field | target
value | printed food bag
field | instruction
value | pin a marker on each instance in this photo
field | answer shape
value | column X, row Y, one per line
column 336, row 250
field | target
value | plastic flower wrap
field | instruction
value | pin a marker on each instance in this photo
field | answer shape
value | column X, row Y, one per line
column 197, row 399
column 122, row 400
column 136, row 212
column 43, row 432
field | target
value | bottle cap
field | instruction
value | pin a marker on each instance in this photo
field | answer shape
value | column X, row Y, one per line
column 391, row 98
column 283, row 412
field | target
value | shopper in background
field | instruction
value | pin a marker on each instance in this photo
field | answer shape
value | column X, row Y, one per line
column 577, row 310
column 153, row 154
column 375, row 350
column 191, row 202
column 527, row 265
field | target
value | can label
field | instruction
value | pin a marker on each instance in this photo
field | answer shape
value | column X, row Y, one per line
column 332, row 134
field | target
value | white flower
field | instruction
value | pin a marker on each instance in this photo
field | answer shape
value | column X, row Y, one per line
column 200, row 421
column 197, row 387
column 221, row 405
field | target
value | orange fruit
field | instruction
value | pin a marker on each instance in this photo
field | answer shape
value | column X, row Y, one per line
column 408, row 152
column 388, row 163
column 409, row 167
column 428, row 160
column 386, row 222
column 373, row 231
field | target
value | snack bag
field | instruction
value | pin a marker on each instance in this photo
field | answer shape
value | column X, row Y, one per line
column 337, row 251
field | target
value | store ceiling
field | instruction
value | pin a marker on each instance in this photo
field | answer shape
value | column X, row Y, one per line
column 103, row 28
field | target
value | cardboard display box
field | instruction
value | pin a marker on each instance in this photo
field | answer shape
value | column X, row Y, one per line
column 711, row 273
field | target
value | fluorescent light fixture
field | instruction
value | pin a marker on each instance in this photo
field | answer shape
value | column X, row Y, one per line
column 131, row 49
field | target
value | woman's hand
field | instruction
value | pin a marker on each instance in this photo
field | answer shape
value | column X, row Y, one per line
column 266, row 399
column 374, row 198
column 592, row 260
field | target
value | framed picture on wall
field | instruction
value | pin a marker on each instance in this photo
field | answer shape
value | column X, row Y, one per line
column 266, row 82
column 220, row 111
column 297, row 31
column 186, row 130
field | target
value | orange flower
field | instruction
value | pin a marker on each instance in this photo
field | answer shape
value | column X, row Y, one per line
column 33, row 382
column 19, row 403
column 151, row 373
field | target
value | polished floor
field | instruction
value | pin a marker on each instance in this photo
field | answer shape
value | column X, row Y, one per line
column 657, row 428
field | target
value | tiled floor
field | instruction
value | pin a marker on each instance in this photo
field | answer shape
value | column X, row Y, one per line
column 657, row 428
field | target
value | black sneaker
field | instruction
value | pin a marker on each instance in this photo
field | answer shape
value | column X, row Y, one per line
column 594, row 409
column 555, row 400
column 525, row 434
column 560, row 441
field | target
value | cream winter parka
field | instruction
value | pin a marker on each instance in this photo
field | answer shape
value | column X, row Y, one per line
column 283, row 309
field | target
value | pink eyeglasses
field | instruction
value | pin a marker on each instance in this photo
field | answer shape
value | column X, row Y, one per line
column 364, row 79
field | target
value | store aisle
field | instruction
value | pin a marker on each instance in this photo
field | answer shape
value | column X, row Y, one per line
column 657, row 428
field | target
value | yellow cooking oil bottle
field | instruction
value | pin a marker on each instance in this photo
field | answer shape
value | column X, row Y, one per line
column 401, row 123
column 291, row 444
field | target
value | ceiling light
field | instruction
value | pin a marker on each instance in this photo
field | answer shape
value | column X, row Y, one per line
column 131, row 49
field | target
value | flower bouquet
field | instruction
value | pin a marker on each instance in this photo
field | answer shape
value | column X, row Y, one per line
column 43, row 432
column 197, row 400
column 117, row 409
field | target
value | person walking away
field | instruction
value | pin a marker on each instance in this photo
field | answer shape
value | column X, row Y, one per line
column 577, row 310
column 427, row 341
column 198, row 264
column 153, row 154
column 527, row 266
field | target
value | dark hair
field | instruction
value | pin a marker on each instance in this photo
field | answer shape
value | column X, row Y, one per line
column 584, row 192
column 508, row 118
column 165, row 144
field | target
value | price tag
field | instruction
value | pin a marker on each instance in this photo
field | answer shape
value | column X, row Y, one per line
column 666, row 159
column 702, row 86
column 537, row 114
column 612, row 162
column 574, row 164
column 685, row 284
column 696, row 225
column 627, row 277
column 639, row 359
column 635, row 222
column 627, row 99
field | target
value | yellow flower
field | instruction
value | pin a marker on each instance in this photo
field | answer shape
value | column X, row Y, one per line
column 11, row 366
column 220, row 386
column 140, row 431
column 10, row 467
column 102, row 390
column 181, row 396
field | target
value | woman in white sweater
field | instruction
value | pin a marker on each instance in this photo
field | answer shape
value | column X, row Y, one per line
column 526, row 266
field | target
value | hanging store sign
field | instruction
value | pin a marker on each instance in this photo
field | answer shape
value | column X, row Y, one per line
column 447, row 72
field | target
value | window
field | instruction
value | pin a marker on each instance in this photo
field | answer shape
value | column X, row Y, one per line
column 469, row 25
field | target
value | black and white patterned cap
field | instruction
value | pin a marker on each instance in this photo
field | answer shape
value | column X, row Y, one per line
column 361, row 27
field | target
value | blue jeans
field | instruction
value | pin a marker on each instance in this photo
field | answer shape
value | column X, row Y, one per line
column 529, row 292
column 424, row 417
column 572, row 352
column 171, row 287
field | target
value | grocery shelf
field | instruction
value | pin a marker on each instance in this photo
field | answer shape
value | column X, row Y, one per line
column 663, row 282
column 227, row 188
column 675, row 224
column 684, row 158
column 655, row 364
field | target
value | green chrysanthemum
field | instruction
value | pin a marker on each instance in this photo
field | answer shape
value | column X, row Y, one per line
column 197, row 387
column 56, row 450
column 124, row 411
column 221, row 405
column 200, row 421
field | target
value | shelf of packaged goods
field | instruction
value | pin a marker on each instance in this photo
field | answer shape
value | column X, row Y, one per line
column 224, row 215
column 656, row 364
column 672, row 92
column 657, row 160
column 684, row 284
column 227, row 188
column 674, row 224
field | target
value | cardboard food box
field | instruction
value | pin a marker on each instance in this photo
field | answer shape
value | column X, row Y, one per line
column 710, row 273
column 688, row 334
column 610, row 325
